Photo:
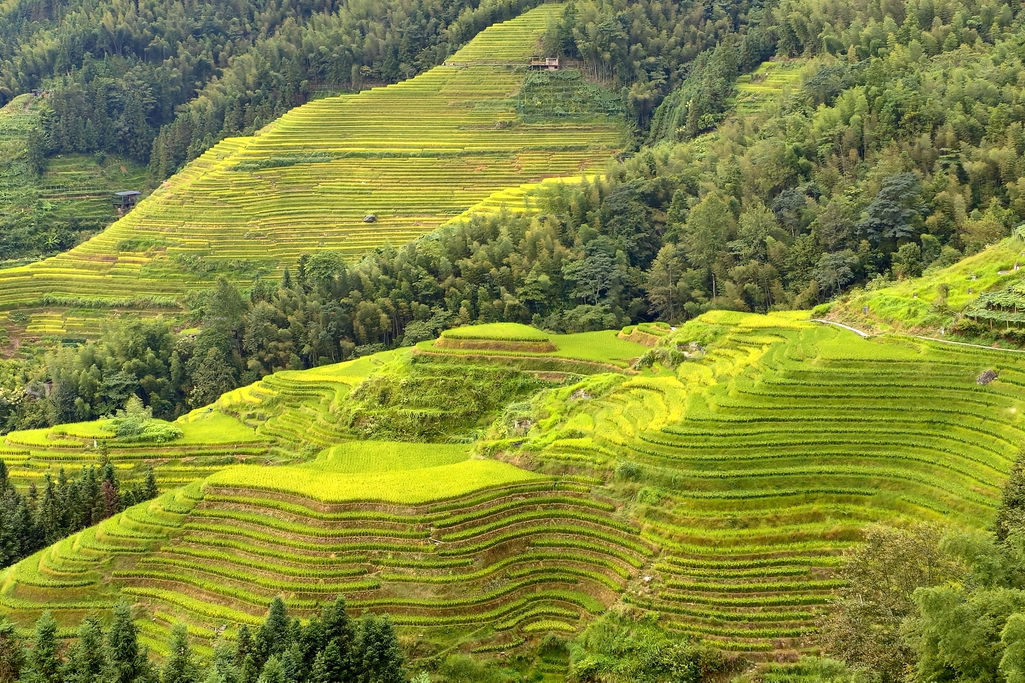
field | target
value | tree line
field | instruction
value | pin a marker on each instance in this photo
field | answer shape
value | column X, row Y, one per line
column 329, row 648
column 35, row 519
column 162, row 83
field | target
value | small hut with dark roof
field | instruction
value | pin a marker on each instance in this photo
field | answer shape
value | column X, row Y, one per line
column 125, row 201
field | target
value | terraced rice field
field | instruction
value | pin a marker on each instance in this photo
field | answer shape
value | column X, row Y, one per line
column 210, row 442
column 486, row 562
column 765, row 84
column 719, row 495
column 760, row 463
column 73, row 186
column 414, row 155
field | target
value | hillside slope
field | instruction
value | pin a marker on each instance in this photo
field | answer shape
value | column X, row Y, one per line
column 412, row 154
column 981, row 288
column 44, row 214
column 717, row 496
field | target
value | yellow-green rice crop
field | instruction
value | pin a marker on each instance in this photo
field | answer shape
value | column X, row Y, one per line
column 406, row 486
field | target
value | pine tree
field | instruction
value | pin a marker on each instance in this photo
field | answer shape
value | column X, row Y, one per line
column 126, row 662
column 223, row 668
column 292, row 665
column 151, row 489
column 272, row 672
column 377, row 652
column 86, row 658
column 337, row 625
column 273, row 636
column 44, row 659
column 330, row 666
column 180, row 666
column 12, row 653
column 1011, row 514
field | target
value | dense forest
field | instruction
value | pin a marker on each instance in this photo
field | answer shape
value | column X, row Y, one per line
column 116, row 73
column 34, row 520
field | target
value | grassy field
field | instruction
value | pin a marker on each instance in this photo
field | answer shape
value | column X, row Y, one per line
column 497, row 332
column 321, row 482
column 755, row 465
column 506, row 343
column 412, row 155
column 209, row 442
column 358, row 457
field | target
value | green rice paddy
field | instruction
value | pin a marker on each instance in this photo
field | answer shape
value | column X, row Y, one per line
column 908, row 305
column 718, row 495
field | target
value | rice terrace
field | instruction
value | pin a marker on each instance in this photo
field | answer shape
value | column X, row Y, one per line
column 508, row 341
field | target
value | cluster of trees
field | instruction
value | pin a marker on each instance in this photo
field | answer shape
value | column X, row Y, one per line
column 646, row 49
column 924, row 605
column 33, row 520
column 329, row 648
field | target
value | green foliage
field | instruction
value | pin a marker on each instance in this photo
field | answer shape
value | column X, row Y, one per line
column 135, row 424
column 864, row 626
column 1011, row 513
column 617, row 649
column 968, row 630
column 51, row 205
column 328, row 647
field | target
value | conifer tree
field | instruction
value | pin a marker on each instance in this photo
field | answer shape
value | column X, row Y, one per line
column 12, row 654
column 378, row 655
column 272, row 672
column 86, row 657
column 330, row 666
column 151, row 489
column 44, row 658
column 126, row 661
column 273, row 636
column 180, row 668
column 223, row 668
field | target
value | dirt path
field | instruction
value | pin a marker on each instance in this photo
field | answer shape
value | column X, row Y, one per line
column 866, row 335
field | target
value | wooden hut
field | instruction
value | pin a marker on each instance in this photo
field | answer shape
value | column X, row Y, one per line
column 125, row 201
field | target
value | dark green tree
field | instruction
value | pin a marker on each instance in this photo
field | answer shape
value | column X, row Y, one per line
column 895, row 213
column 43, row 664
column 181, row 666
column 86, row 660
column 126, row 660
column 12, row 652
column 1011, row 513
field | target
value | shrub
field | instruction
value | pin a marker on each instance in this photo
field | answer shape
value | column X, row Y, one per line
column 135, row 424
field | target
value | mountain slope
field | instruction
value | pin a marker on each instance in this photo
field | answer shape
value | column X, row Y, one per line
column 717, row 496
column 413, row 155
column 47, row 213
